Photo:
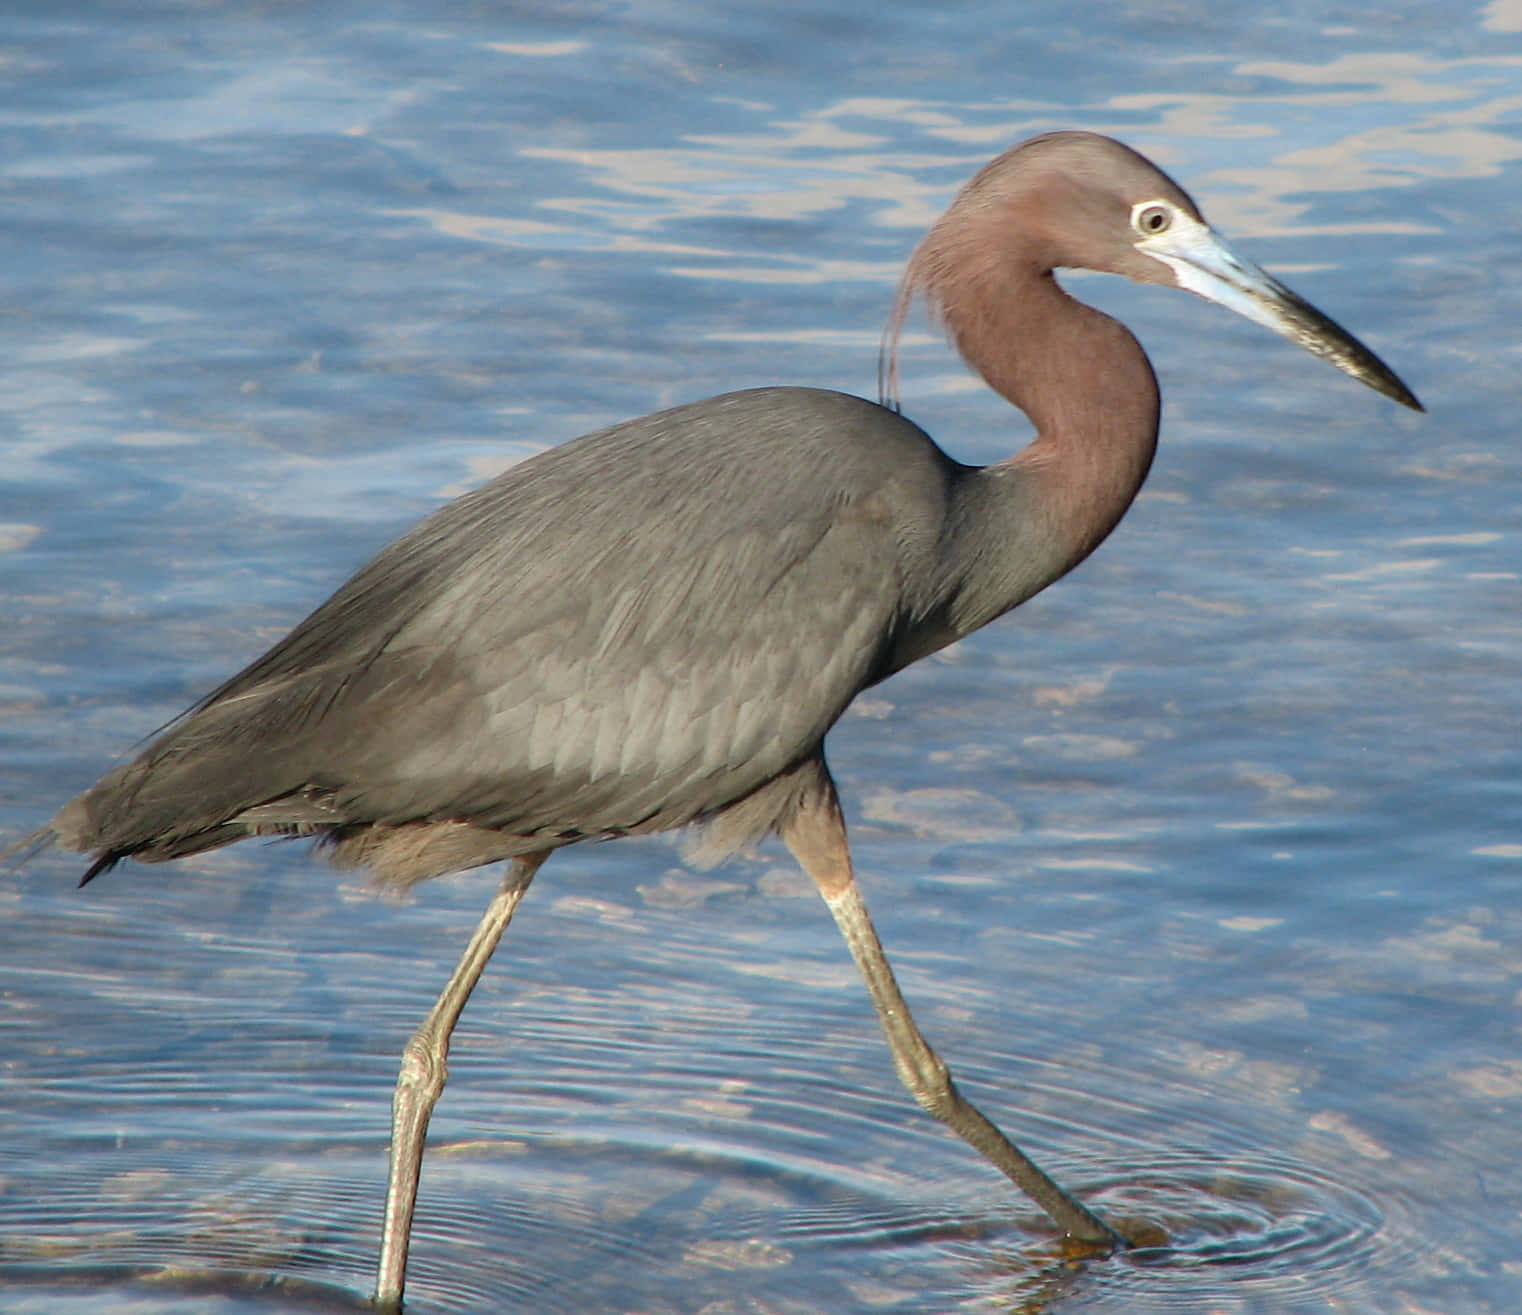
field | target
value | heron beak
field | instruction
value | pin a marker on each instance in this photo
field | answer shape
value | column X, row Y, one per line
column 1203, row 264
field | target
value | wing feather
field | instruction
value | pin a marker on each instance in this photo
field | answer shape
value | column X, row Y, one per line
column 632, row 631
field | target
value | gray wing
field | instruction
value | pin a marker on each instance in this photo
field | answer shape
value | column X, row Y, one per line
column 626, row 633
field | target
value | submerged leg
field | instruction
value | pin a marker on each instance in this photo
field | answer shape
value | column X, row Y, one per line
column 424, row 1071
column 817, row 837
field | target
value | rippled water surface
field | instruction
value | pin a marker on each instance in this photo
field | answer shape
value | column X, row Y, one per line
column 1202, row 870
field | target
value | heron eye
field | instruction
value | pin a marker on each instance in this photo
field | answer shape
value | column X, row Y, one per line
column 1152, row 219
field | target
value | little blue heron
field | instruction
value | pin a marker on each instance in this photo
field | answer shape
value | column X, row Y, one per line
column 655, row 625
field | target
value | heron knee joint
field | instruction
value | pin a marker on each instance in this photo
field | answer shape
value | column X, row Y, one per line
column 424, row 1067
column 929, row 1082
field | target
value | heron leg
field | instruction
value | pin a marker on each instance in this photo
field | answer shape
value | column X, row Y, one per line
column 817, row 837
column 423, row 1074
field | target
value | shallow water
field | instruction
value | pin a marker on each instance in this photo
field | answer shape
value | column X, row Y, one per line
column 1201, row 870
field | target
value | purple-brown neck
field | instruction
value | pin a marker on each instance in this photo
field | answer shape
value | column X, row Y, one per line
column 1080, row 376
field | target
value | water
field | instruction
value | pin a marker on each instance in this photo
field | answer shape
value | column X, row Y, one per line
column 1201, row 871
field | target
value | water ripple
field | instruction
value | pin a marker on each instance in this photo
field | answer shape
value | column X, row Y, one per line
column 1255, row 1232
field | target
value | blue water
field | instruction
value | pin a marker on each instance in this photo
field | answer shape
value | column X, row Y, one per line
column 1201, row 870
